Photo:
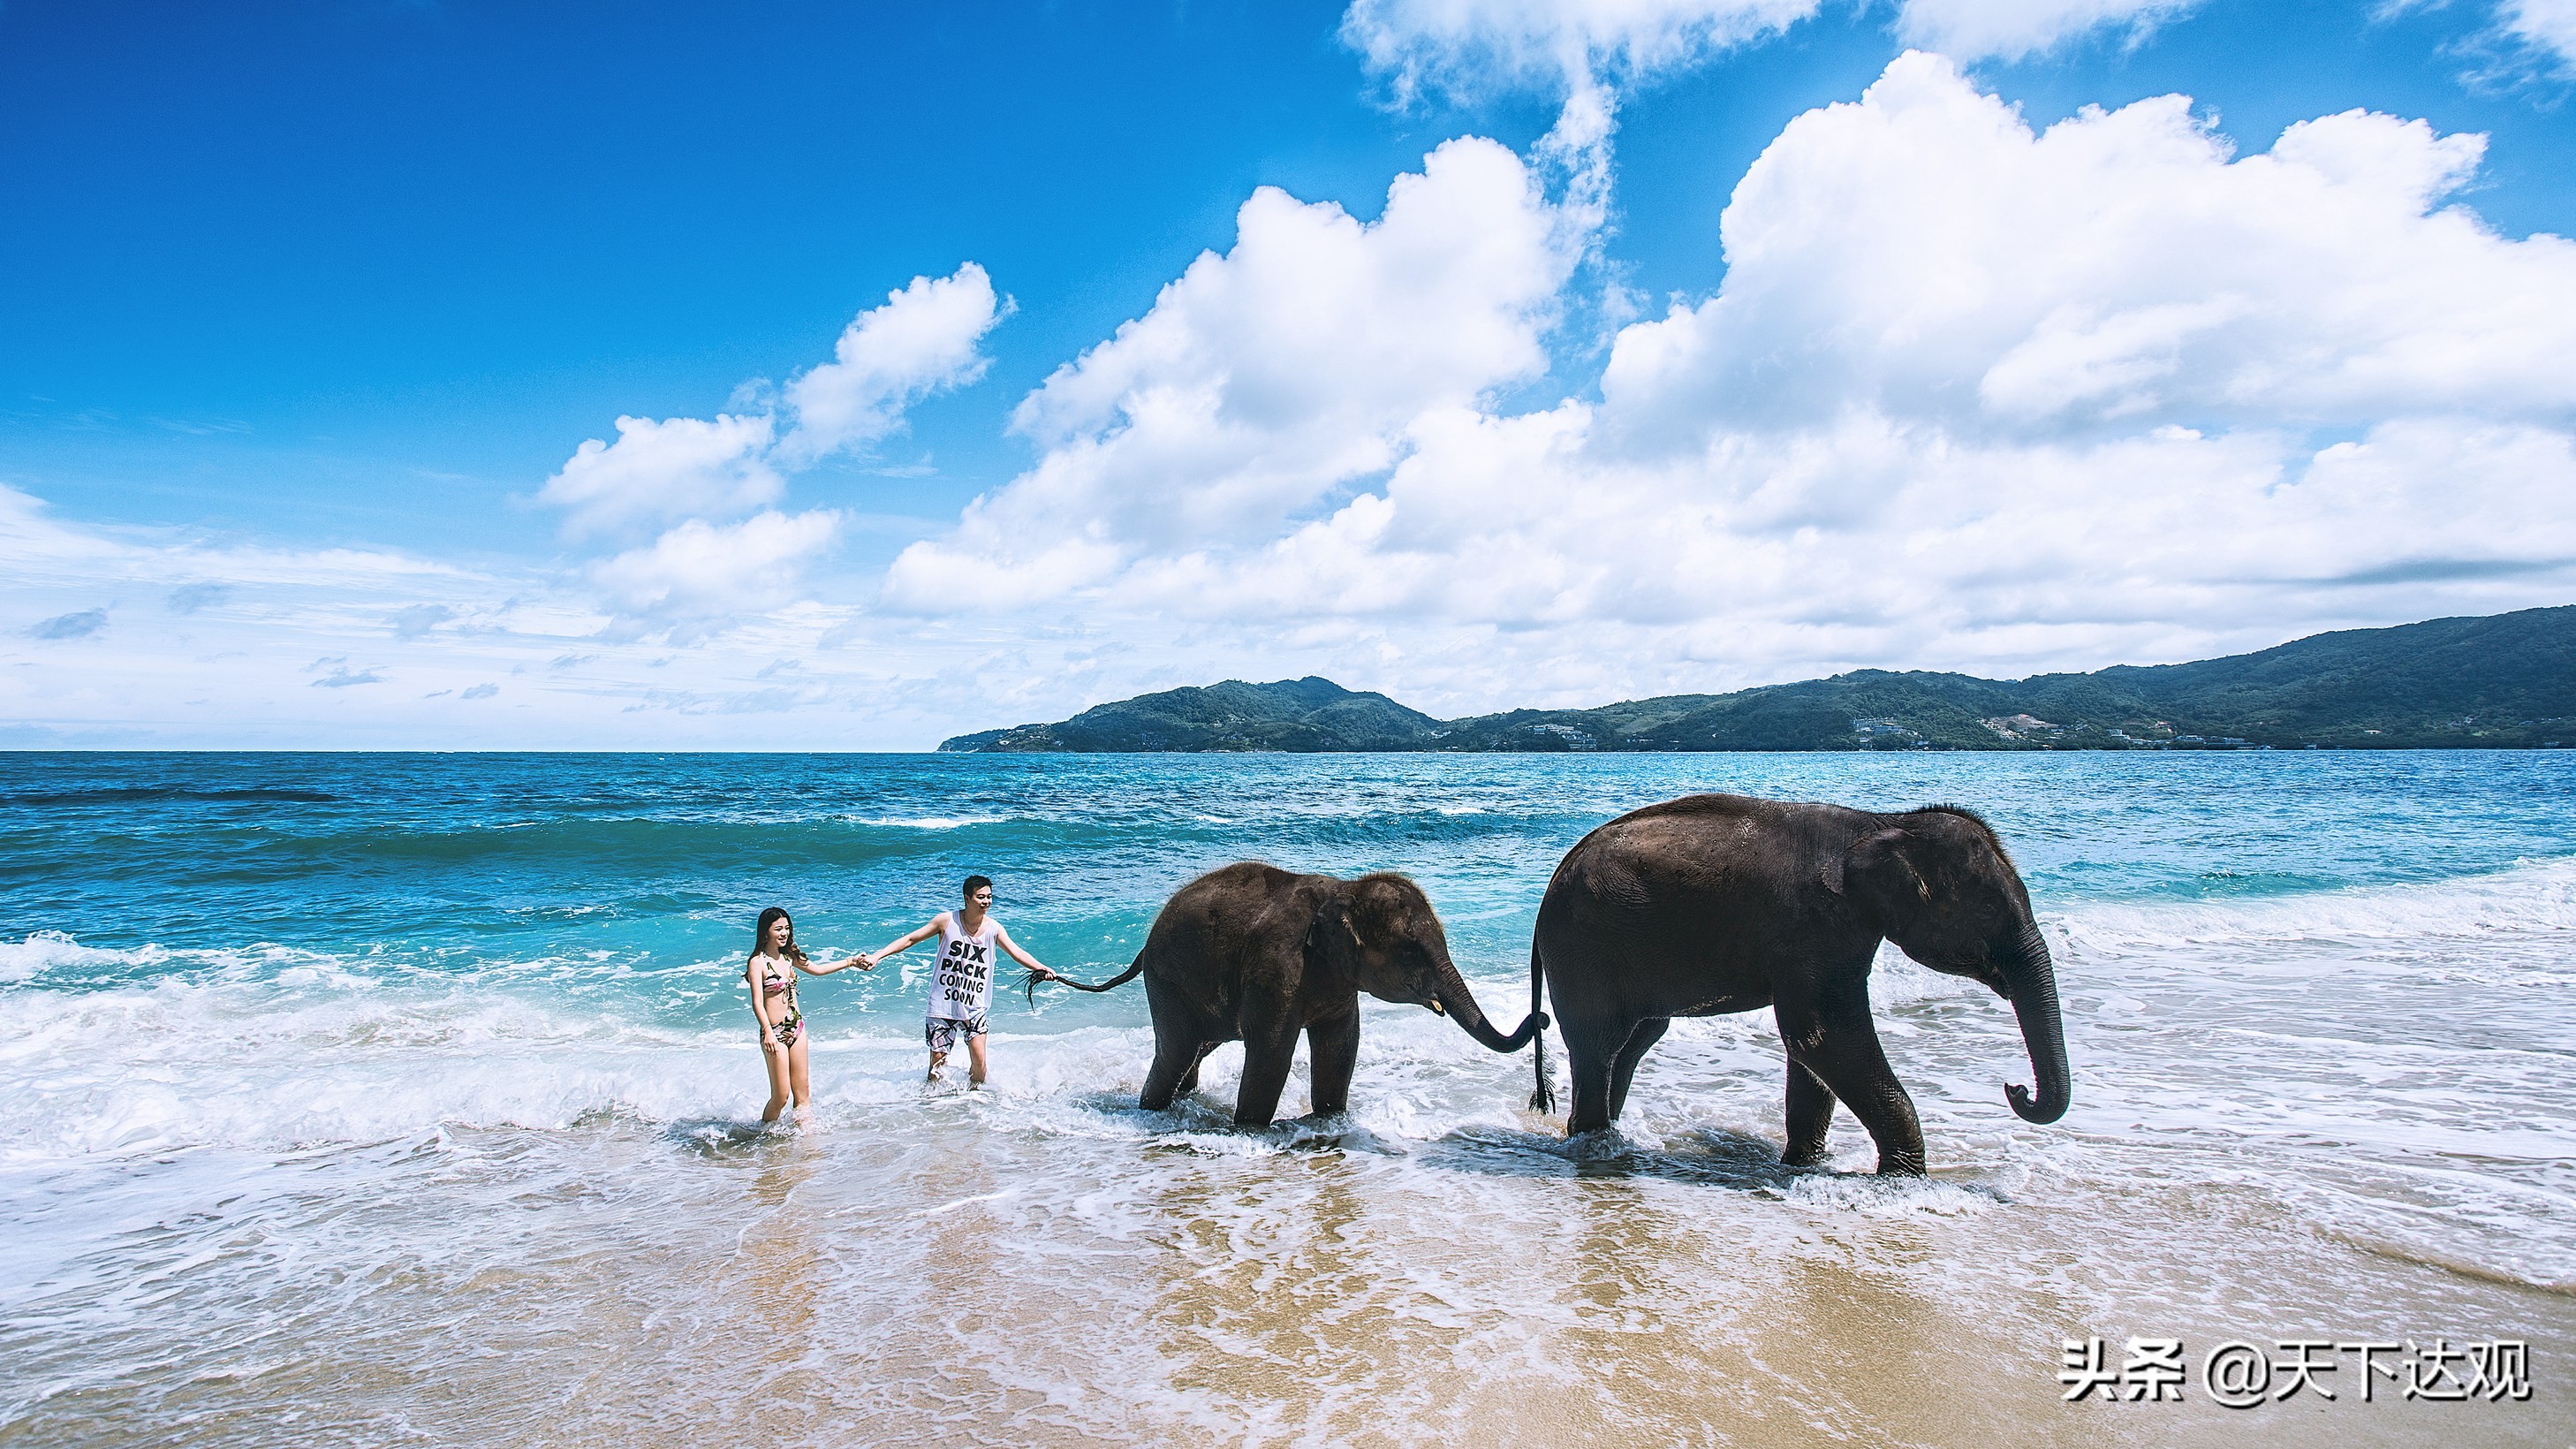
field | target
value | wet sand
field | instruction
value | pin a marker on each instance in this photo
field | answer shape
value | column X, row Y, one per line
column 1023, row 1267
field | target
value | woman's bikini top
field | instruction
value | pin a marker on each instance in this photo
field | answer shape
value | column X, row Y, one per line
column 773, row 981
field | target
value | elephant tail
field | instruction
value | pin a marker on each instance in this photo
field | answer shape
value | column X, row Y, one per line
column 1544, row 1099
column 1112, row 984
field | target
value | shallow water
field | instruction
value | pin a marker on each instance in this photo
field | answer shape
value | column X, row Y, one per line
column 391, row 1099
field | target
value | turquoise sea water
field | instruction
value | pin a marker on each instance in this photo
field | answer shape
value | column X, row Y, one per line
column 447, row 1056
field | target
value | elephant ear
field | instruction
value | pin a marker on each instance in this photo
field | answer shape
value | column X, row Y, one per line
column 1879, row 879
column 1332, row 941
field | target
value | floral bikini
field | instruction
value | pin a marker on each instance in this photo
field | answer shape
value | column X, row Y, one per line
column 775, row 982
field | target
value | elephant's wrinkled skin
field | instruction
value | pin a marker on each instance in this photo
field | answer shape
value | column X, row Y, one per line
column 1720, row 903
column 1257, row 954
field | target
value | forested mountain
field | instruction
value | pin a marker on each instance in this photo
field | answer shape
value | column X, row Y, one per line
column 2504, row 681
column 1293, row 714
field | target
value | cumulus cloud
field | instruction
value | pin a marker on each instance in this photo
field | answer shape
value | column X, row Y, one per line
column 698, row 474
column 921, row 341
column 1264, row 379
column 1924, row 254
column 1971, row 395
column 658, row 471
column 2014, row 29
column 702, row 571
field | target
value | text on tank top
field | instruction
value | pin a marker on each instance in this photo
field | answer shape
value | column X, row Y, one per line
column 962, row 988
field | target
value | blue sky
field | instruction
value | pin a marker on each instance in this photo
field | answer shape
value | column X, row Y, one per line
column 307, row 311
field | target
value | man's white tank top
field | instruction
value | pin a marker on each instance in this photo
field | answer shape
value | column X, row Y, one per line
column 962, row 988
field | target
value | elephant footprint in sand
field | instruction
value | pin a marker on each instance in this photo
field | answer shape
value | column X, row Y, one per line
column 1722, row 903
column 1254, row 953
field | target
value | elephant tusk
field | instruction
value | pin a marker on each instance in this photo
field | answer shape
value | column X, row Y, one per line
column 1437, row 1009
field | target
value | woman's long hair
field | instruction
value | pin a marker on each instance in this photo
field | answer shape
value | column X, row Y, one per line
column 760, row 934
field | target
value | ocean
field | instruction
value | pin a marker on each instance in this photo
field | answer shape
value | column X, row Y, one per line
column 393, row 1099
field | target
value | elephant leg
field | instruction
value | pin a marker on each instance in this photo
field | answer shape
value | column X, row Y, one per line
column 1590, row 1054
column 1175, row 1071
column 1180, row 1039
column 1811, row 1115
column 1332, row 1055
column 1190, row 1078
column 1267, row 1057
column 1624, row 1069
column 1838, row 1042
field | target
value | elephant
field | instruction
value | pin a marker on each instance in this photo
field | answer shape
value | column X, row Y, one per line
column 1721, row 903
column 1254, row 953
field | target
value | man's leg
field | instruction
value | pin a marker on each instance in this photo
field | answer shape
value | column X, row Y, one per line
column 975, row 1059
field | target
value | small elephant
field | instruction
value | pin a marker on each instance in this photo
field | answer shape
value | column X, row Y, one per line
column 1254, row 953
column 1722, row 903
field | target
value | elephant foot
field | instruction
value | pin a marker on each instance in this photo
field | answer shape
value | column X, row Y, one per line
column 1901, row 1164
column 1810, row 1154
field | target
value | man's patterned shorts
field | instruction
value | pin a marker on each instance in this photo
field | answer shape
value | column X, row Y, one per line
column 942, row 1033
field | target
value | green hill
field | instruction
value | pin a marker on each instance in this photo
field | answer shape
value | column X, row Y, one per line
column 1294, row 714
column 2505, row 681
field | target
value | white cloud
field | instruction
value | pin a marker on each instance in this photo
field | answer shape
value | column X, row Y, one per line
column 699, row 473
column 1925, row 255
column 1971, row 396
column 275, row 648
column 1264, row 379
column 703, row 571
column 2545, row 27
column 261, row 646
column 658, row 471
column 39, row 551
column 1465, row 45
column 1470, row 46
column 2014, row 29
column 922, row 340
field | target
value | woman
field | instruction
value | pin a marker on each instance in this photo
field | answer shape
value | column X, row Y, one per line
column 771, row 974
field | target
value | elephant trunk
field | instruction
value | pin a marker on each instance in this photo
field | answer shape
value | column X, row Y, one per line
column 1453, row 997
column 2032, row 987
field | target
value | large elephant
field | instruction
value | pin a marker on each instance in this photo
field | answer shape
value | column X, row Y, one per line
column 1720, row 903
column 1257, row 954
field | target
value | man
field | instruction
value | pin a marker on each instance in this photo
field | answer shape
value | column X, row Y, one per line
column 961, row 987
